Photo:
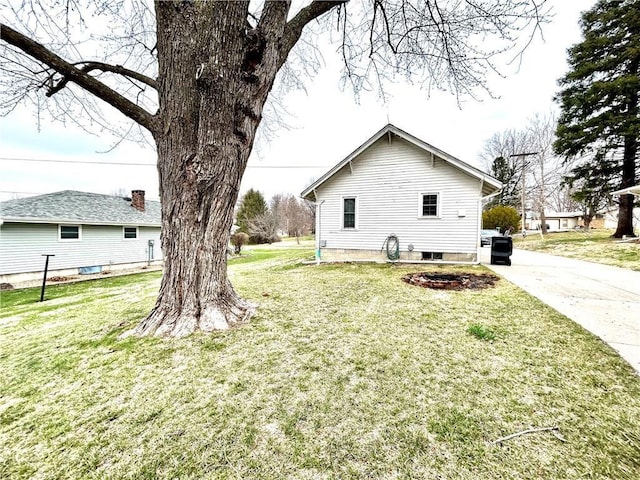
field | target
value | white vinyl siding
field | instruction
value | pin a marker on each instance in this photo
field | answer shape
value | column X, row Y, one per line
column 388, row 180
column 22, row 246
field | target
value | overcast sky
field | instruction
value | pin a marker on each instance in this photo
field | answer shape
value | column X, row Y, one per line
column 326, row 125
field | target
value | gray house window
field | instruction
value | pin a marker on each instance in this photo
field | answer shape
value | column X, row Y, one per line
column 69, row 232
column 429, row 205
column 130, row 232
column 349, row 212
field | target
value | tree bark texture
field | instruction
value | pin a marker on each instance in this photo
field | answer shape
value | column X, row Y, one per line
column 213, row 83
column 625, row 213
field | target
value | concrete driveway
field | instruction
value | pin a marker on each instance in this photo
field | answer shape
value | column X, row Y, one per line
column 604, row 300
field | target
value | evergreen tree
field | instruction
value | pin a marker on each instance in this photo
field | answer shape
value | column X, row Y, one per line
column 510, row 175
column 252, row 206
column 599, row 99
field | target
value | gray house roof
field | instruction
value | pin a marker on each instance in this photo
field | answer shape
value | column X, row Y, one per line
column 70, row 206
column 490, row 185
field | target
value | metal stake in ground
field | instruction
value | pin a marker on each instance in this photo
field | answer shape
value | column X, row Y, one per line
column 44, row 278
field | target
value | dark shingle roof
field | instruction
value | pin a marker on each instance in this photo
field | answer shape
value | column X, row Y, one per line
column 79, row 207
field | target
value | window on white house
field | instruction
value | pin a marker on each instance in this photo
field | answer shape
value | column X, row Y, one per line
column 130, row 232
column 349, row 212
column 69, row 232
column 429, row 205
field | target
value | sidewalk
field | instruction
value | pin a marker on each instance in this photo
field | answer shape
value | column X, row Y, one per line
column 605, row 300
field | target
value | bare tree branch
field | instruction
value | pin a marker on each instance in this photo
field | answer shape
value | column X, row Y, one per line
column 530, row 430
column 105, row 67
column 274, row 13
column 294, row 27
column 78, row 76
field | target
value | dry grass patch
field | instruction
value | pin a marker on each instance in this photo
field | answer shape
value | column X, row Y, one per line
column 594, row 246
column 345, row 372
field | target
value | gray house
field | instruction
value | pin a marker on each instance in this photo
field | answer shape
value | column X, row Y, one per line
column 397, row 191
column 87, row 232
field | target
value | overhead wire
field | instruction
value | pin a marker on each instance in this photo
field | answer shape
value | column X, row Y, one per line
column 101, row 162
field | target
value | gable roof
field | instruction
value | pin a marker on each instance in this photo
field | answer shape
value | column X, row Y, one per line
column 490, row 184
column 70, row 206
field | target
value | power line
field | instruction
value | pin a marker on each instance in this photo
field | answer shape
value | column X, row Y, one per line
column 21, row 193
column 51, row 160
column 86, row 162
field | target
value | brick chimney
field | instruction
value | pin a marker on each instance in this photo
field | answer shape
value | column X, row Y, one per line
column 137, row 199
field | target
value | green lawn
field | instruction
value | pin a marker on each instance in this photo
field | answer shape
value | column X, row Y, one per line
column 594, row 246
column 345, row 372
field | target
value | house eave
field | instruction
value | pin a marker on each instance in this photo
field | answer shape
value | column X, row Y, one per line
column 635, row 190
column 73, row 221
column 488, row 181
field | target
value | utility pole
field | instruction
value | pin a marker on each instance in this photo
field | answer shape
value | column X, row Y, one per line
column 523, row 155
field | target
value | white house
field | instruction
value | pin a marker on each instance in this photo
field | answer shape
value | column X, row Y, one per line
column 397, row 190
column 557, row 221
column 85, row 231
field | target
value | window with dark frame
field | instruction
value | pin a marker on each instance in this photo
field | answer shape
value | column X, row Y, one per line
column 349, row 213
column 130, row 232
column 69, row 232
column 430, row 205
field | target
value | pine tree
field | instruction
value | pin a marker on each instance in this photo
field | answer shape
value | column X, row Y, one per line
column 599, row 99
column 510, row 175
column 252, row 206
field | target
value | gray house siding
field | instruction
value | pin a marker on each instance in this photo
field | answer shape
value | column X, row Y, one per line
column 387, row 180
column 22, row 246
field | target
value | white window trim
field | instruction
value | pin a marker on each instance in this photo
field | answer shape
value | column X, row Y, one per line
column 438, row 205
column 60, row 239
column 342, row 199
column 137, row 233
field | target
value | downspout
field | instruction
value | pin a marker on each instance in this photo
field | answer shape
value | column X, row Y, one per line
column 478, row 244
column 318, row 229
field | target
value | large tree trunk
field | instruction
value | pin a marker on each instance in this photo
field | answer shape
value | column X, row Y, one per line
column 211, row 99
column 588, row 216
column 625, row 212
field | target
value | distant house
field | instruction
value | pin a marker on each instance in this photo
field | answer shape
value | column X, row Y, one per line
column 396, row 189
column 558, row 221
column 86, row 232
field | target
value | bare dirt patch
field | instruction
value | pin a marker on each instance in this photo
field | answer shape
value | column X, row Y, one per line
column 60, row 279
column 451, row 281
